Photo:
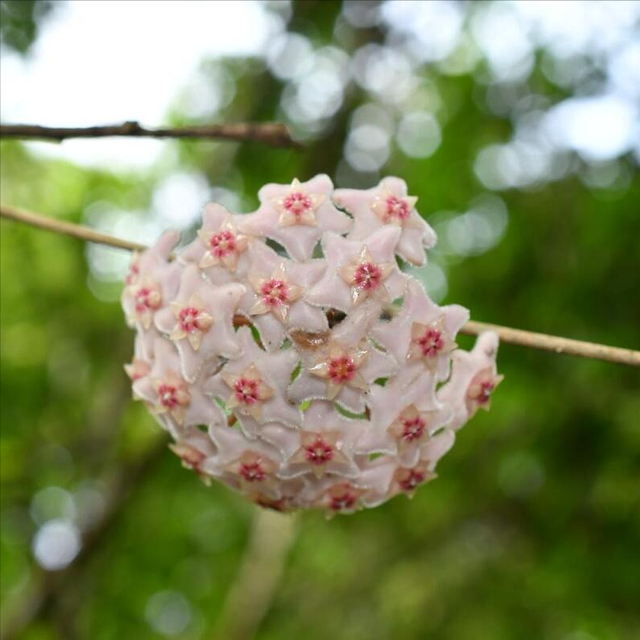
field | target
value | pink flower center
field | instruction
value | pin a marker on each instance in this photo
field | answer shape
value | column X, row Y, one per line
column 485, row 392
column 134, row 272
column 412, row 480
column 168, row 395
column 274, row 292
column 367, row 276
column 413, row 428
column 222, row 244
column 191, row 457
column 341, row 369
column 188, row 319
column 252, row 471
column 344, row 501
column 297, row 203
column 138, row 373
column 397, row 208
column 145, row 298
column 318, row 452
column 246, row 391
column 430, row 343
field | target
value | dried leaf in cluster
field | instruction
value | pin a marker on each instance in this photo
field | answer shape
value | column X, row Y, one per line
column 290, row 378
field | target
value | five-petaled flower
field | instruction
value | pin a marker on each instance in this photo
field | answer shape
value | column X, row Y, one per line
column 298, row 206
column 249, row 392
column 392, row 208
column 275, row 294
column 339, row 367
column 147, row 299
column 388, row 205
column 134, row 269
column 422, row 332
column 137, row 369
column 296, row 215
column 366, row 277
column 318, row 450
column 192, row 321
column 480, row 389
column 341, row 498
column 408, row 480
column 224, row 246
column 411, row 427
column 255, row 472
column 192, row 459
column 429, row 341
column 173, row 396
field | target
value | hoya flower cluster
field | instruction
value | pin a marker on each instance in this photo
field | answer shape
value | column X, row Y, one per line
column 291, row 359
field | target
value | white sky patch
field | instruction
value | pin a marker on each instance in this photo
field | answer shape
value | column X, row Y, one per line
column 503, row 38
column 569, row 27
column 434, row 26
column 104, row 62
column 598, row 128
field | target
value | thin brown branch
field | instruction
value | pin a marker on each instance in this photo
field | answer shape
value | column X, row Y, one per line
column 68, row 228
column 508, row 335
column 555, row 344
column 274, row 134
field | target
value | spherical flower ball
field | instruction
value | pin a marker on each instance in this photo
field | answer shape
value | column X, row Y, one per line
column 305, row 382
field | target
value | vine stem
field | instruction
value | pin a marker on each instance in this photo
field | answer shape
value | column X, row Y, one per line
column 274, row 134
column 259, row 575
column 541, row 341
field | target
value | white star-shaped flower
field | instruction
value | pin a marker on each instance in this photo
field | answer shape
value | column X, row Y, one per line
column 407, row 478
column 249, row 467
column 339, row 497
column 422, row 332
column 388, row 204
column 404, row 416
column 275, row 302
column 220, row 249
column 256, row 383
column 296, row 215
column 323, row 444
column 358, row 270
column 200, row 321
column 249, row 391
column 137, row 369
column 473, row 379
column 388, row 476
column 142, row 355
column 345, row 367
column 177, row 404
column 194, row 448
column 153, row 280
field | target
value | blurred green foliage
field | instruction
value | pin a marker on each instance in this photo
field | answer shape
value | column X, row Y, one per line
column 19, row 22
column 532, row 529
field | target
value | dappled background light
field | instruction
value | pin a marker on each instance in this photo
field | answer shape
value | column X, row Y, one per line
column 516, row 123
column 56, row 544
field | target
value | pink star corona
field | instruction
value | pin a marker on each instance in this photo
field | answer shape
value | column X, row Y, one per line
column 366, row 277
column 192, row 321
column 223, row 247
column 298, row 206
column 393, row 209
